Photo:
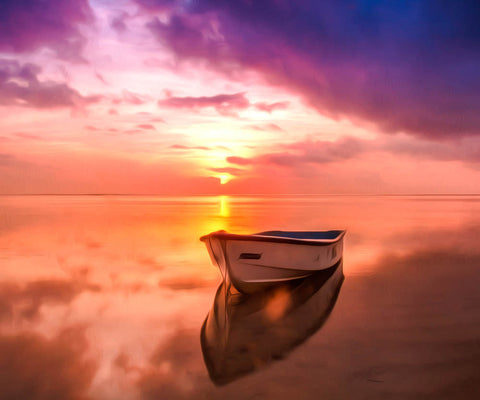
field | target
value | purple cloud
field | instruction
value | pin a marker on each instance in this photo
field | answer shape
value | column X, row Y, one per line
column 410, row 66
column 224, row 104
column 19, row 85
column 118, row 22
column 27, row 25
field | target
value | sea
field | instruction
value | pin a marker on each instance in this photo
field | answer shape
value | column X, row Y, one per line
column 115, row 297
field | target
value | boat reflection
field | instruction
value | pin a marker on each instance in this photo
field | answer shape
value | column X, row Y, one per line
column 243, row 333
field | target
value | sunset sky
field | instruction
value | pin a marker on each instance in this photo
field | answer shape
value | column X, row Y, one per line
column 239, row 97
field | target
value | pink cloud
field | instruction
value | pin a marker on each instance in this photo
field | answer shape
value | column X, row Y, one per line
column 133, row 98
column 101, row 78
column 183, row 147
column 129, row 97
column 239, row 160
column 270, row 107
column 228, row 170
column 224, row 104
column 147, row 127
column 267, row 127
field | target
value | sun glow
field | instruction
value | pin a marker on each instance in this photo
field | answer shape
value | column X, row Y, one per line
column 224, row 178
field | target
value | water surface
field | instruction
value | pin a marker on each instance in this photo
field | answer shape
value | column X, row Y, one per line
column 104, row 297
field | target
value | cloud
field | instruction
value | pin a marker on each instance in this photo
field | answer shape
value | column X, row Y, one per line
column 270, row 107
column 307, row 152
column 129, row 97
column 224, row 104
column 150, row 262
column 267, row 128
column 147, row 127
column 101, row 78
column 27, row 25
column 118, row 22
column 465, row 149
column 25, row 302
column 133, row 98
column 19, row 85
column 183, row 147
column 239, row 160
column 186, row 376
column 184, row 283
column 391, row 64
column 36, row 368
column 228, row 170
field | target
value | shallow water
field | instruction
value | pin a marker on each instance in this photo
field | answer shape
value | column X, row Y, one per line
column 104, row 297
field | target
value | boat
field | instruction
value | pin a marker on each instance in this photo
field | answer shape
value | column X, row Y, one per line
column 252, row 262
column 245, row 332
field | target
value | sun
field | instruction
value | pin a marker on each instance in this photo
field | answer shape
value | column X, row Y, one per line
column 224, row 178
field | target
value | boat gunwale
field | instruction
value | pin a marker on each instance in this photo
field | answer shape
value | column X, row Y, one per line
column 274, row 239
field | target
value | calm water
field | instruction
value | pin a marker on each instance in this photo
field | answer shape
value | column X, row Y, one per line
column 105, row 298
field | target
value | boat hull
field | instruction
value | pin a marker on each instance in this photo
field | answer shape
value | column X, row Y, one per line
column 251, row 262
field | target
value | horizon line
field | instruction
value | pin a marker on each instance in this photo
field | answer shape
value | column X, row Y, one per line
column 239, row 194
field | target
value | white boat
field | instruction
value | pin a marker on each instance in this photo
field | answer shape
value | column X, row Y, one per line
column 250, row 262
column 243, row 333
